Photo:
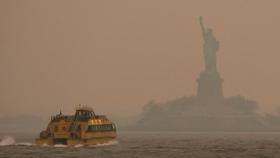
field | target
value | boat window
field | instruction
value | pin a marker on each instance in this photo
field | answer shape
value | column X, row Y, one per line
column 100, row 128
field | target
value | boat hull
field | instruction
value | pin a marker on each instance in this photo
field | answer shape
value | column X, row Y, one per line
column 72, row 142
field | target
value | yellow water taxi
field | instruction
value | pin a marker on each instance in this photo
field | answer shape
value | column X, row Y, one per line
column 85, row 127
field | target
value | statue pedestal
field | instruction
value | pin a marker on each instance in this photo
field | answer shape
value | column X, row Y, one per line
column 210, row 87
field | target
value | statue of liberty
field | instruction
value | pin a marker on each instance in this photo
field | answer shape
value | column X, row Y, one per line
column 210, row 48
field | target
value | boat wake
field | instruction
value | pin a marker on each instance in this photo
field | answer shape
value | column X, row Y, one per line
column 60, row 146
column 25, row 144
column 9, row 140
column 114, row 142
column 78, row 145
column 82, row 145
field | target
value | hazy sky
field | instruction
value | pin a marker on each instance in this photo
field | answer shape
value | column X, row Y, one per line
column 116, row 55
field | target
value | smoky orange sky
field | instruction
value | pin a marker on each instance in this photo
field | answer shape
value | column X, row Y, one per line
column 116, row 55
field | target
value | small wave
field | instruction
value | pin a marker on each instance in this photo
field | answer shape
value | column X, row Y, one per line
column 24, row 144
column 114, row 142
column 7, row 140
column 78, row 145
column 60, row 146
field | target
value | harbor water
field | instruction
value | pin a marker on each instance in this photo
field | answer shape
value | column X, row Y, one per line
column 152, row 145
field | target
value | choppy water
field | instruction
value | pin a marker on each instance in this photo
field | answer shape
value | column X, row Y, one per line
column 155, row 144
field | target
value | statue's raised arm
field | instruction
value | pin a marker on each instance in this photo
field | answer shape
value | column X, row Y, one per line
column 201, row 25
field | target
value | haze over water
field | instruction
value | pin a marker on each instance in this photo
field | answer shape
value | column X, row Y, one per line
column 145, row 64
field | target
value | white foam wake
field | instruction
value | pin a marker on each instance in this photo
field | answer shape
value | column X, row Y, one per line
column 78, row 145
column 24, row 144
column 114, row 142
column 7, row 140
column 60, row 146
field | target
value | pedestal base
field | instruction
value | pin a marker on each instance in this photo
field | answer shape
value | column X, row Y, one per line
column 210, row 87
